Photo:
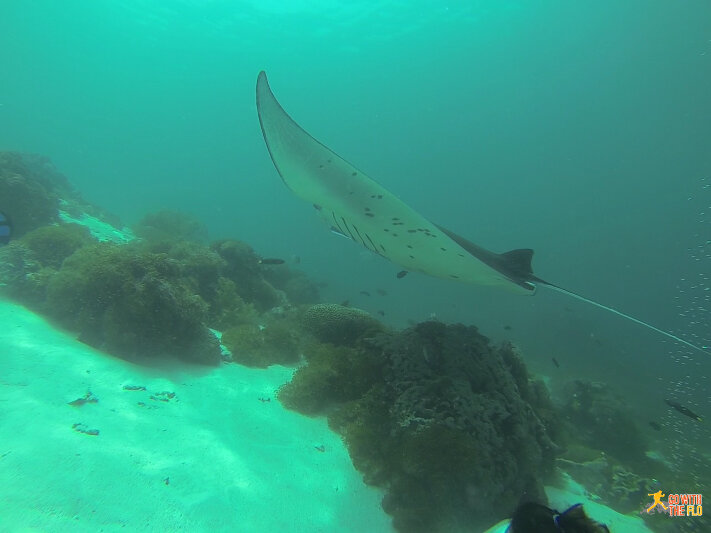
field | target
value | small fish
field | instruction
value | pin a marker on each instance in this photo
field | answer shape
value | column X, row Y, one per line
column 345, row 303
column 507, row 327
column 88, row 398
column 365, row 293
column 5, row 228
column 271, row 261
column 655, row 425
column 381, row 292
column 555, row 362
column 320, row 448
column 265, row 400
column 167, row 481
column 381, row 313
column 401, row 274
column 683, row 410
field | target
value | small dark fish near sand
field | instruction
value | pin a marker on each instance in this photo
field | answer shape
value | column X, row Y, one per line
column 365, row 293
column 271, row 261
column 401, row 274
column 88, row 398
column 555, row 362
column 507, row 327
column 5, row 228
column 655, row 425
column 683, row 410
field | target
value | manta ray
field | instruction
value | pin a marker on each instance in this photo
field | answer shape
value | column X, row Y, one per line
column 356, row 206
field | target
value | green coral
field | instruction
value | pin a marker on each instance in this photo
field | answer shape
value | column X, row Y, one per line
column 601, row 419
column 243, row 268
column 337, row 324
column 25, row 197
column 435, row 415
column 261, row 346
column 170, row 225
column 333, row 375
column 51, row 245
column 131, row 303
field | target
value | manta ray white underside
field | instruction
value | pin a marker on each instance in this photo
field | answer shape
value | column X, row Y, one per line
column 355, row 205
column 358, row 207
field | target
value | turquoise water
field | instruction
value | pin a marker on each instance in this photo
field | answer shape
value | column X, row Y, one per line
column 581, row 130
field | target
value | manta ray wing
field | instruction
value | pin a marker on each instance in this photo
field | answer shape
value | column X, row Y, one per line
column 354, row 205
column 358, row 207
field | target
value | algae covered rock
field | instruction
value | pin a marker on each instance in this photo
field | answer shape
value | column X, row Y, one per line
column 243, row 268
column 601, row 419
column 27, row 198
column 170, row 225
column 338, row 324
column 334, row 375
column 51, row 245
column 260, row 346
column 449, row 425
column 131, row 303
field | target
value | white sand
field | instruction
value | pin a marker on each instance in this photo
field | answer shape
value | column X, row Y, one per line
column 234, row 463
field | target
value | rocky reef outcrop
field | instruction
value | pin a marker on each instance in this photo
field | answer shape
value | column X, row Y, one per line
column 452, row 427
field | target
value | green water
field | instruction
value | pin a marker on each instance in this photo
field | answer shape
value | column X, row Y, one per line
column 580, row 129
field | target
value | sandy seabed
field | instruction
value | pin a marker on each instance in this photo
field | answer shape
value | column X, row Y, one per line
column 173, row 448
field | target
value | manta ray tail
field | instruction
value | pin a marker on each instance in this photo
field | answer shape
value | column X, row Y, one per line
column 705, row 349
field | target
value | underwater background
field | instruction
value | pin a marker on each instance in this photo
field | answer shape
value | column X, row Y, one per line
column 579, row 129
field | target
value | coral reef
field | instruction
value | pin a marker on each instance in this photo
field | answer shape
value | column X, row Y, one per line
column 338, row 324
column 131, row 303
column 299, row 289
column 243, row 268
column 335, row 374
column 142, row 299
column 29, row 200
column 170, row 225
column 448, row 424
column 601, row 420
column 51, row 245
column 261, row 346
